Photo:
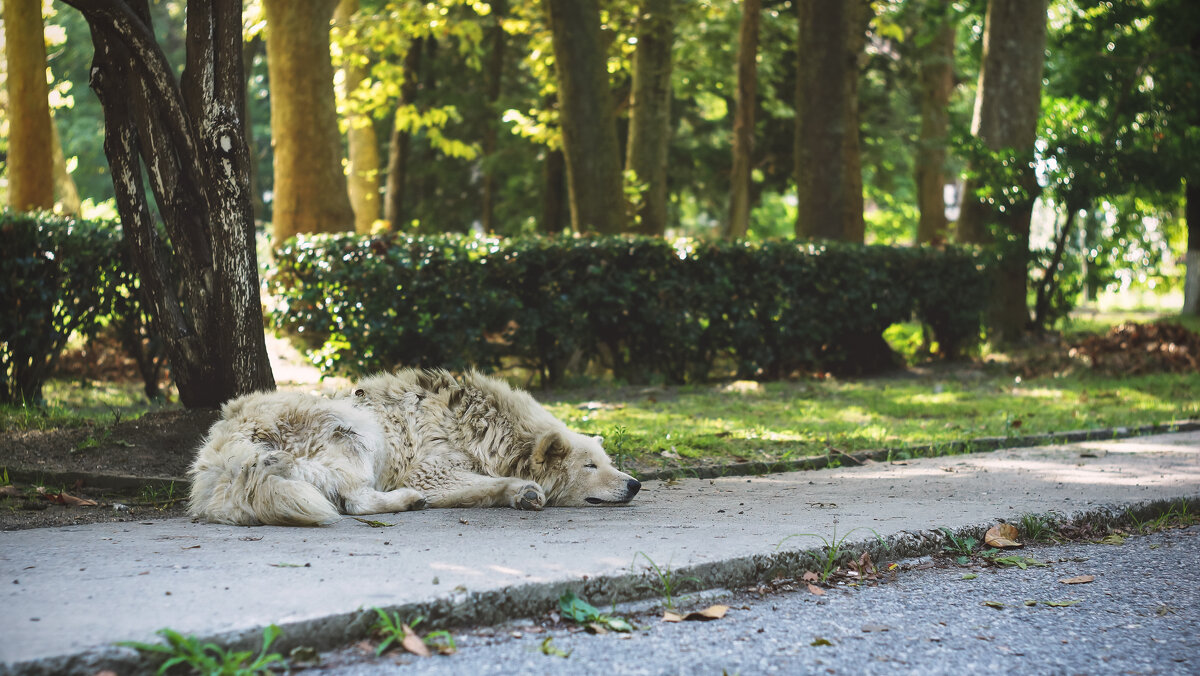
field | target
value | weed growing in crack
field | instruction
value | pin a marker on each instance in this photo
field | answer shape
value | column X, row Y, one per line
column 834, row 549
column 668, row 580
column 209, row 658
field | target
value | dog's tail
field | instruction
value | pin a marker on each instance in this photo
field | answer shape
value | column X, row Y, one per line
column 254, row 495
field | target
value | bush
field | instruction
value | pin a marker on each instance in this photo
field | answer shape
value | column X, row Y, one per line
column 59, row 276
column 636, row 305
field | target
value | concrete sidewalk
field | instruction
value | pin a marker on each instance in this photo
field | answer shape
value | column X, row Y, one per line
column 69, row 593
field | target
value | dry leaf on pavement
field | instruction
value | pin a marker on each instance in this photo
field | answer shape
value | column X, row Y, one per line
column 413, row 643
column 815, row 590
column 1003, row 536
column 1078, row 579
column 714, row 612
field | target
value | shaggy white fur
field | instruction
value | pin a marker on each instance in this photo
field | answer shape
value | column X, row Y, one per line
column 395, row 442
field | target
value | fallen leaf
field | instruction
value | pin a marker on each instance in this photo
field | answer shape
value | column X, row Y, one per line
column 1078, row 579
column 192, row 547
column 1030, row 602
column 810, row 576
column 594, row 628
column 9, row 491
column 1061, row 604
column 821, row 641
column 869, row 628
column 1003, row 536
column 815, row 590
column 714, row 612
column 669, row 616
column 993, row 604
column 548, row 648
column 413, row 643
column 969, row 576
column 374, row 524
column 1113, row 539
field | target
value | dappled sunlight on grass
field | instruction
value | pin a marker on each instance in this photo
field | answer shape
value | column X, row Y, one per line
column 70, row 403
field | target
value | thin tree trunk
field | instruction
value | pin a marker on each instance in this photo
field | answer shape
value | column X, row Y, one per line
column 495, row 72
column 824, row 117
column 937, row 83
column 401, row 139
column 362, row 171
column 189, row 135
column 250, row 49
column 589, row 130
column 857, row 15
column 310, row 186
column 1191, row 284
column 1050, row 278
column 650, row 111
column 1007, row 108
column 743, row 121
column 66, row 194
column 554, row 193
column 30, row 127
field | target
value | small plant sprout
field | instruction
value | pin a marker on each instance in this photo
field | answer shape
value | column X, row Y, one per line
column 834, row 549
column 391, row 629
column 668, row 580
column 209, row 658
column 1038, row 527
column 580, row 611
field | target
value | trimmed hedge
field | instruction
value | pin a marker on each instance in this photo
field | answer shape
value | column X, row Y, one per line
column 639, row 306
column 59, row 276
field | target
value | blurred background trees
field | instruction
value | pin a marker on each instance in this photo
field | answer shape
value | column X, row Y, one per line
column 1060, row 132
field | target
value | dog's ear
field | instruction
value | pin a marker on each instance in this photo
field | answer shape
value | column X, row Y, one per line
column 550, row 448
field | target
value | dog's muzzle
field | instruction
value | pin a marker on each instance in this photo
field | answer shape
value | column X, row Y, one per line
column 631, row 489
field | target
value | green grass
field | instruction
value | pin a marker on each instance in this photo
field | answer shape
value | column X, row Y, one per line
column 788, row 420
column 72, row 404
column 209, row 658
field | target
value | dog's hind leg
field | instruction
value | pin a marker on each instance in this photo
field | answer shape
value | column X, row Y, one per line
column 370, row 501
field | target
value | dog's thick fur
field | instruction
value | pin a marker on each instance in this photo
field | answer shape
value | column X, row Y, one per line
column 395, row 442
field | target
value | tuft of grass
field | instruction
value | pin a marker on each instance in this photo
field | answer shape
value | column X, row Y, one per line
column 834, row 549
column 390, row 629
column 668, row 580
column 581, row 612
column 211, row 659
column 1039, row 528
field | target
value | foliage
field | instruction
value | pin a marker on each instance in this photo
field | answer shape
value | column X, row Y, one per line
column 580, row 611
column 637, row 306
column 62, row 276
column 210, row 659
column 57, row 277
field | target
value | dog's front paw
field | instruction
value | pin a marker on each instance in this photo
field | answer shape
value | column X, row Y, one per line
column 529, row 496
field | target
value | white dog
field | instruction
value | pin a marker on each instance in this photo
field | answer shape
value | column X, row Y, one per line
column 395, row 442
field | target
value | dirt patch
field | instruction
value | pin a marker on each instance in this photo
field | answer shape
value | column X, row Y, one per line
column 1141, row 348
column 153, row 449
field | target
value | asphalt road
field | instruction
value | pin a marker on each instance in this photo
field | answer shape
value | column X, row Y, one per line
column 1141, row 614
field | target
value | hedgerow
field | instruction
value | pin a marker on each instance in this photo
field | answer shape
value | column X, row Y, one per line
column 639, row 306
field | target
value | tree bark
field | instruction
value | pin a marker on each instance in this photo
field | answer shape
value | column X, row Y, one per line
column 1191, row 284
column 650, row 111
column 310, row 186
column 594, row 180
column 1007, row 107
column 362, row 171
column 743, row 121
column 30, row 127
column 189, row 135
column 495, row 73
column 828, row 169
column 555, row 210
column 937, row 84
column 400, row 141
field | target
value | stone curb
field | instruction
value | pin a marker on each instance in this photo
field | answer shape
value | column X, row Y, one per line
column 977, row 445
column 533, row 600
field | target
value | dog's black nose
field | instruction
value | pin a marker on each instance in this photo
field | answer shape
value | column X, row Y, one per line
column 632, row 487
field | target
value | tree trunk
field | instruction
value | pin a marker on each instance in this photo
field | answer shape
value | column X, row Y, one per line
column 1191, row 284
column 66, row 194
column 189, row 135
column 250, row 49
column 1007, row 107
column 937, row 84
column 743, row 121
column 495, row 72
column 650, row 111
column 362, row 171
column 30, row 128
column 828, row 169
column 854, row 228
column 310, row 186
column 589, row 130
column 400, row 141
column 554, row 189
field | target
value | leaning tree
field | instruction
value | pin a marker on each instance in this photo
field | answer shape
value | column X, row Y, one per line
column 188, row 136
